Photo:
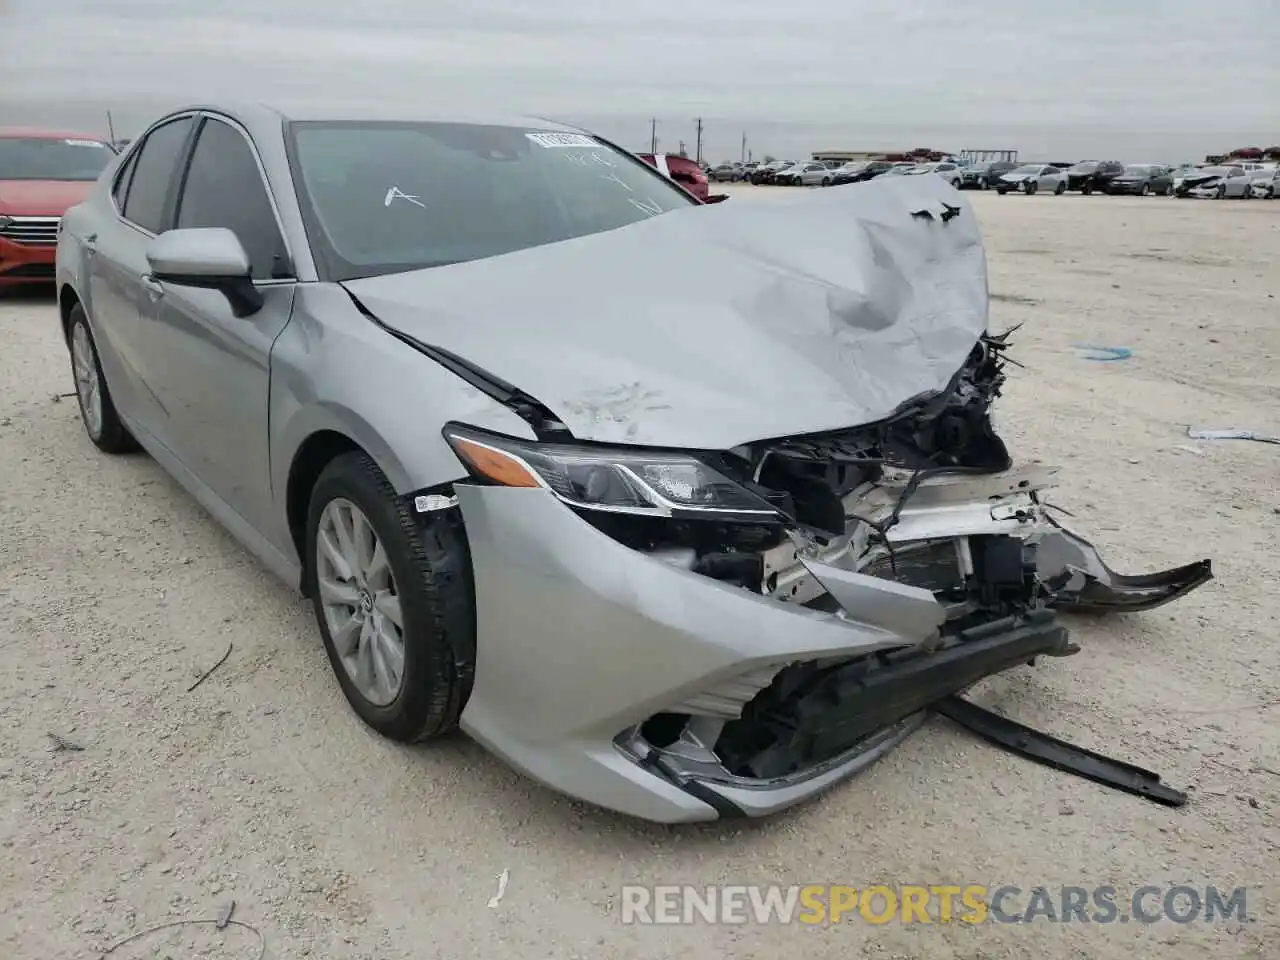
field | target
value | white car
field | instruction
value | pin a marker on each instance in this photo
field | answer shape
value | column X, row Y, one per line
column 1032, row 178
column 1265, row 184
column 947, row 170
column 1225, row 182
column 816, row 174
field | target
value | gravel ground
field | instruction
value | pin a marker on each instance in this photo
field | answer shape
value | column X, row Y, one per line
column 117, row 591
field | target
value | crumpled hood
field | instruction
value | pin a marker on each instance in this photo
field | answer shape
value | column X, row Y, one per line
column 716, row 326
column 41, row 198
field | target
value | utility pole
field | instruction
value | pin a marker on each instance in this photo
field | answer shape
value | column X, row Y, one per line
column 743, row 155
column 698, row 143
column 111, row 130
column 653, row 135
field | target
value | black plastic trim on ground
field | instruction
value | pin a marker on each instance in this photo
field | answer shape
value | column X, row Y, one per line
column 1052, row 752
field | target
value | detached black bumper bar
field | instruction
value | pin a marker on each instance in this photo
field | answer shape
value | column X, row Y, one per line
column 810, row 715
column 1059, row 754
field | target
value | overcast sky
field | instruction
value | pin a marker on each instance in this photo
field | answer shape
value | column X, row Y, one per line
column 1133, row 79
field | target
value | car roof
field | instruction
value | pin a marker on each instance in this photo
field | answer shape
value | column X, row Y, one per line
column 261, row 117
column 45, row 133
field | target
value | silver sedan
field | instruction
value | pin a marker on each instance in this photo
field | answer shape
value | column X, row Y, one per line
column 687, row 511
column 1033, row 178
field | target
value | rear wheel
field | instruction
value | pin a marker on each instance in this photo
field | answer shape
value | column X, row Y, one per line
column 394, row 601
column 1060, row 189
column 1002, row 190
column 97, row 410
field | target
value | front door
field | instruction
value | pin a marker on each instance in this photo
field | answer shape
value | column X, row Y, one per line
column 213, row 368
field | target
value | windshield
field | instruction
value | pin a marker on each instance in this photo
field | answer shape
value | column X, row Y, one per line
column 23, row 158
column 389, row 197
column 1024, row 171
column 1213, row 171
column 1137, row 171
column 1084, row 168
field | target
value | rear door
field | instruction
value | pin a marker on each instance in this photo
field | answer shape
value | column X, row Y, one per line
column 140, row 205
column 213, row 368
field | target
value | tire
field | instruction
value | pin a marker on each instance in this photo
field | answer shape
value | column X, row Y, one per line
column 1168, row 191
column 1002, row 190
column 1145, row 191
column 984, row 184
column 1087, row 189
column 429, row 566
column 1030, row 188
column 97, row 410
column 1060, row 189
column 826, row 181
column 1222, row 192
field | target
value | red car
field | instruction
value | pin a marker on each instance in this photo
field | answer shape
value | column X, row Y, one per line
column 684, row 172
column 42, row 173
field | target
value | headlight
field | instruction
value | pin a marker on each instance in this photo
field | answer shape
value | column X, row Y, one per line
column 610, row 479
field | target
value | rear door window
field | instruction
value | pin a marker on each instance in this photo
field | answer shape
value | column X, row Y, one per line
column 153, row 174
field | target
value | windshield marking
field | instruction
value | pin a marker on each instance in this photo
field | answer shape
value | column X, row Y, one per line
column 588, row 159
column 618, row 180
column 395, row 193
column 651, row 207
column 553, row 140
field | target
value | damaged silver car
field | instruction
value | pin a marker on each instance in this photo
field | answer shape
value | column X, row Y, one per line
column 685, row 511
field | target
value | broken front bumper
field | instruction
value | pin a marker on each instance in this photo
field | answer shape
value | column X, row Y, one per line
column 623, row 679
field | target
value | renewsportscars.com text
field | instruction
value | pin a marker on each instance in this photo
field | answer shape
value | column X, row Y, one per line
column 824, row 904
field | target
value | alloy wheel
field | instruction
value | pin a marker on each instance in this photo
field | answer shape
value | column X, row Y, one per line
column 360, row 602
column 88, row 386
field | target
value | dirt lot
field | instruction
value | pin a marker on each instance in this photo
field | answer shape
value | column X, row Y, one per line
column 116, row 592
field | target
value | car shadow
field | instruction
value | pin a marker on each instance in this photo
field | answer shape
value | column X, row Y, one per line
column 29, row 293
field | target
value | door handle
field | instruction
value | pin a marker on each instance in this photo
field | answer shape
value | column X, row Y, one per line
column 154, row 288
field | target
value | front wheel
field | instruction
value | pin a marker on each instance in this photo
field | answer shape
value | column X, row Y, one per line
column 1145, row 191
column 1030, row 188
column 97, row 410
column 394, row 600
column 1002, row 190
column 1086, row 189
column 1060, row 189
column 826, row 181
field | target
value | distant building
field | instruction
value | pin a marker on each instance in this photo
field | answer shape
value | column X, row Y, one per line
column 975, row 156
column 918, row 155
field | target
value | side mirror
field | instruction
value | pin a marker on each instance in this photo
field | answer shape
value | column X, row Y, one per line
column 208, row 257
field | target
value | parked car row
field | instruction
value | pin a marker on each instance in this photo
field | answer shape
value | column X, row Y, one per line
column 1243, row 180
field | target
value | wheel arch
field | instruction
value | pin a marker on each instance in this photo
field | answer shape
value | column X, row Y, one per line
column 68, row 299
